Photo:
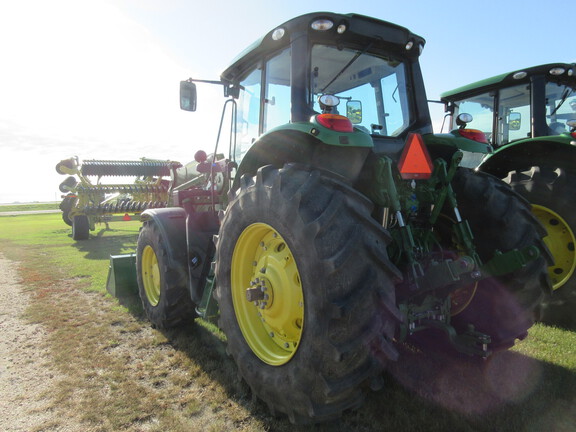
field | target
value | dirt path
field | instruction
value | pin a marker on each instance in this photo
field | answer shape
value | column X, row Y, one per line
column 25, row 376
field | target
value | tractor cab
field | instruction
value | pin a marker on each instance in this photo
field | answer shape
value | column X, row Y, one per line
column 348, row 81
column 529, row 103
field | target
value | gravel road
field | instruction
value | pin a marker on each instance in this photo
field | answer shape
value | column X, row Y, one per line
column 25, row 375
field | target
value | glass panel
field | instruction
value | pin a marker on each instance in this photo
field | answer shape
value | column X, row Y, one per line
column 560, row 108
column 481, row 108
column 277, row 102
column 378, row 83
column 514, row 114
column 248, row 113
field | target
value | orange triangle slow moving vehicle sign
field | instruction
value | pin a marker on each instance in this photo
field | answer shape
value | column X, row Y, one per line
column 415, row 162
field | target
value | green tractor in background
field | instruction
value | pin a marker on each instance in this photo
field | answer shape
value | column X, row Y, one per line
column 337, row 225
column 529, row 116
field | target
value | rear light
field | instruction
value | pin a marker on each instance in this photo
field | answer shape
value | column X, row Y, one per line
column 474, row 134
column 519, row 75
column 278, row 33
column 322, row 24
column 557, row 71
column 335, row 122
column 415, row 162
column 573, row 134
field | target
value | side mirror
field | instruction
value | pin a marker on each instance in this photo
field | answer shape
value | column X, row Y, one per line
column 354, row 111
column 514, row 121
column 187, row 96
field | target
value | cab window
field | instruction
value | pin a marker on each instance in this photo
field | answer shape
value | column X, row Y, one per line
column 560, row 107
column 277, row 91
column 514, row 114
column 481, row 108
column 248, row 116
column 377, row 84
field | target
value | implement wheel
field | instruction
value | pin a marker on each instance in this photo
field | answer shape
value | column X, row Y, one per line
column 67, row 204
column 306, row 292
column 162, row 282
column 80, row 227
column 552, row 194
column 503, row 307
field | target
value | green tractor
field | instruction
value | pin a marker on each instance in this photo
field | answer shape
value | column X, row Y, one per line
column 529, row 116
column 88, row 201
column 337, row 225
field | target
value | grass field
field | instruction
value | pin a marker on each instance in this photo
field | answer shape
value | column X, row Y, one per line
column 29, row 207
column 120, row 374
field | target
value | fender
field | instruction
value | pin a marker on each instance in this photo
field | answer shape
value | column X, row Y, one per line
column 555, row 151
column 445, row 145
column 189, row 237
column 311, row 144
column 171, row 223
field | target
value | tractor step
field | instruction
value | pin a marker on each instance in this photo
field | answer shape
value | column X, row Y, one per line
column 122, row 276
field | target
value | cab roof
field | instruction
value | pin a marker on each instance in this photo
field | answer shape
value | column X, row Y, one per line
column 563, row 73
column 359, row 29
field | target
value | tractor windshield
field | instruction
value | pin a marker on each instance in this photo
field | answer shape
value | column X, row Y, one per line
column 372, row 89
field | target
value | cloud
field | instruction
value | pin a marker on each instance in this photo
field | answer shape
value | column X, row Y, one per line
column 83, row 68
column 82, row 78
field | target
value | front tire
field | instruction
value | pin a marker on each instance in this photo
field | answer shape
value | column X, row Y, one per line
column 503, row 307
column 325, row 327
column 162, row 282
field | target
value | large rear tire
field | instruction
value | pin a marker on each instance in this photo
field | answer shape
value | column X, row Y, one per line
column 162, row 282
column 552, row 192
column 322, row 314
column 503, row 307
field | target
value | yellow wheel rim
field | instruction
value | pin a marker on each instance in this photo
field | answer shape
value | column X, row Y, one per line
column 151, row 275
column 560, row 240
column 267, row 294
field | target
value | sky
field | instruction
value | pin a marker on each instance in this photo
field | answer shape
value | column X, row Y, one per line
column 99, row 79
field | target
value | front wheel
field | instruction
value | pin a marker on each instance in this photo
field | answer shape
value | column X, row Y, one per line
column 306, row 292
column 162, row 281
